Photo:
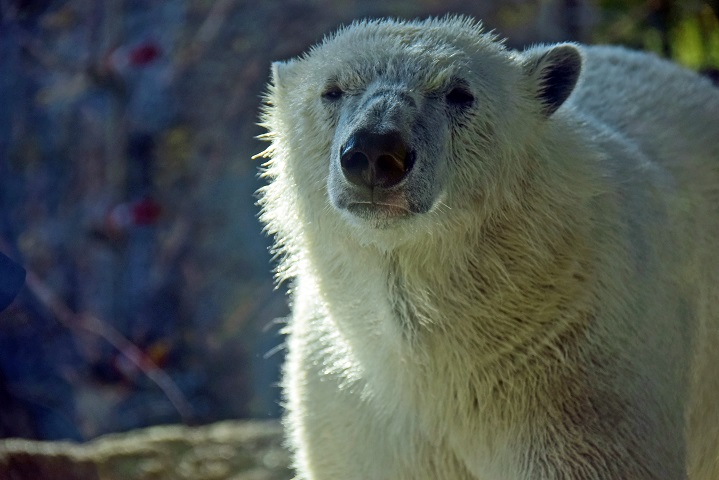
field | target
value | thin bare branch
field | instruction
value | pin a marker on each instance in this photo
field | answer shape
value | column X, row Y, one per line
column 129, row 350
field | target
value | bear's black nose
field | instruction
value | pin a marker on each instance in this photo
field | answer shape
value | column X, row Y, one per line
column 376, row 159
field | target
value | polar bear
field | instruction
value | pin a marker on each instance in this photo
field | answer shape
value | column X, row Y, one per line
column 503, row 264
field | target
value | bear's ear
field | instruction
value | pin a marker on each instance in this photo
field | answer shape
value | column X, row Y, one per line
column 553, row 74
column 282, row 73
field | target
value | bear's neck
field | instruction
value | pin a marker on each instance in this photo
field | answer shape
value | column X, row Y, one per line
column 517, row 276
column 497, row 290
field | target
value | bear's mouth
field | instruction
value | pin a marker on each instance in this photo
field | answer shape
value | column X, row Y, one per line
column 375, row 210
column 378, row 215
column 379, row 204
column 379, row 207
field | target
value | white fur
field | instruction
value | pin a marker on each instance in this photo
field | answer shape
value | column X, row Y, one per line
column 552, row 316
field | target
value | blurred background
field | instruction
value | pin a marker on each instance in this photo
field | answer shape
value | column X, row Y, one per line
column 127, row 191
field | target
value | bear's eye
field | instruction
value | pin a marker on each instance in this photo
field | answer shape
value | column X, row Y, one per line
column 460, row 96
column 332, row 93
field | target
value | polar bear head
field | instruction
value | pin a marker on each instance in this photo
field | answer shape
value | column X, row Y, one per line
column 387, row 125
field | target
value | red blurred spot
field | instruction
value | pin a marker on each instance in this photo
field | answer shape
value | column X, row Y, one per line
column 146, row 211
column 144, row 54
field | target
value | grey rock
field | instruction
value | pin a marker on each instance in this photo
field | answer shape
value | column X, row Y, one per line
column 231, row 450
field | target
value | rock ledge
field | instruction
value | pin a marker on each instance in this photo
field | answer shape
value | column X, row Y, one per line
column 231, row 450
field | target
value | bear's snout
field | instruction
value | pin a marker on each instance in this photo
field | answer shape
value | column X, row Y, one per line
column 371, row 160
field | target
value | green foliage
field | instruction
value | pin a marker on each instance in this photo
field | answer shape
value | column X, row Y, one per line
column 694, row 39
column 687, row 32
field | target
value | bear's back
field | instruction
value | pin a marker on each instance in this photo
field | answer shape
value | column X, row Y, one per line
column 670, row 112
column 671, row 115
